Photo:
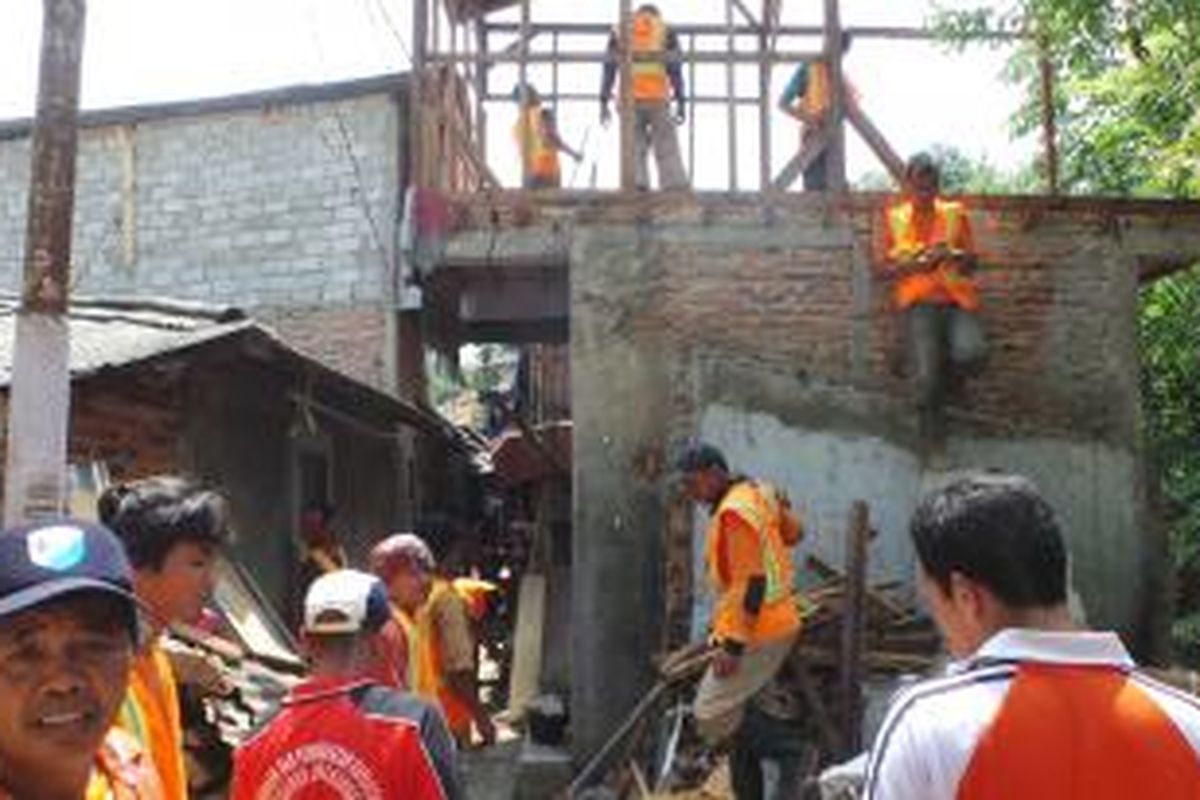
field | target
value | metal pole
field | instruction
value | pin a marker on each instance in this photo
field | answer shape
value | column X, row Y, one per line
column 35, row 477
column 835, row 153
column 731, row 91
column 625, row 96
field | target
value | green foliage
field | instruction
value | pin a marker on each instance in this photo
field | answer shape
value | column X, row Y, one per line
column 1127, row 80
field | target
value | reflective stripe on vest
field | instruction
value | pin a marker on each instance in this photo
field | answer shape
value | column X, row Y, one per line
column 944, row 283
column 816, row 94
column 649, row 77
column 536, row 148
column 749, row 502
column 1076, row 732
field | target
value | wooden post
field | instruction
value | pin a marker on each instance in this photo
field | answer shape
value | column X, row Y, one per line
column 731, row 93
column 481, row 87
column 35, row 477
column 523, row 94
column 691, row 119
column 625, row 96
column 766, row 44
column 1049, row 124
column 416, row 94
column 835, row 156
column 852, row 625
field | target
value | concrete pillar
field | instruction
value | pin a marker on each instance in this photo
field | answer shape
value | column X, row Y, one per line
column 618, row 390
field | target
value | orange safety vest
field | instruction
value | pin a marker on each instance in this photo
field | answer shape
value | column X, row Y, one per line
column 535, row 145
column 649, row 77
column 150, row 714
column 427, row 676
column 942, row 283
column 1074, row 732
column 759, row 505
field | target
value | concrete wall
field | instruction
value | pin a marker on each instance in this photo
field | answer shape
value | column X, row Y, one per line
column 282, row 203
column 762, row 326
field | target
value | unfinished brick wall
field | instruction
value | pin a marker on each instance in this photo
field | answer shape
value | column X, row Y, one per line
column 759, row 323
column 132, row 423
column 349, row 340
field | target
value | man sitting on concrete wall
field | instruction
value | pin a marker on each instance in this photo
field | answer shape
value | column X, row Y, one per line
column 929, row 255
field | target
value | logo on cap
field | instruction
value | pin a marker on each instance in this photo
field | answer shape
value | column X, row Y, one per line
column 59, row 547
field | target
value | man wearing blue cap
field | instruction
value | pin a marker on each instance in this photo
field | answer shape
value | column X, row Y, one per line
column 68, row 628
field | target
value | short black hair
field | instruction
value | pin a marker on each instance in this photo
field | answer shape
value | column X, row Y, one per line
column 700, row 456
column 923, row 162
column 997, row 530
column 151, row 516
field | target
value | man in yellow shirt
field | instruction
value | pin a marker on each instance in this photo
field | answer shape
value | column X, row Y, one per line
column 68, row 627
column 171, row 530
column 441, row 643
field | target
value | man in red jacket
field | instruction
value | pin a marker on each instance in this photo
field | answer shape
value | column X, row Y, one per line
column 339, row 735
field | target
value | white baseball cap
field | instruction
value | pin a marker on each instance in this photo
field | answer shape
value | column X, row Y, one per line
column 345, row 601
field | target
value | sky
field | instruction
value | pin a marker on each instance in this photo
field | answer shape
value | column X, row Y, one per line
column 140, row 51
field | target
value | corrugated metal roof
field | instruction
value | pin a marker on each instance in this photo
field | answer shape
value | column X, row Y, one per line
column 108, row 333
column 104, row 334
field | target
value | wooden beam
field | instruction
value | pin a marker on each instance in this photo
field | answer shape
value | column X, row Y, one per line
column 813, row 147
column 730, row 92
column 835, row 150
column 746, row 15
column 625, row 96
column 874, row 138
column 853, row 624
column 766, row 43
column 699, row 57
column 718, row 29
column 1049, row 123
column 523, row 81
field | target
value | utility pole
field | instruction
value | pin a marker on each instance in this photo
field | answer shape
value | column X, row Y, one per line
column 35, row 478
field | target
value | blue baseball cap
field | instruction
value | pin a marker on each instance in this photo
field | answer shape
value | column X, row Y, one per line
column 46, row 560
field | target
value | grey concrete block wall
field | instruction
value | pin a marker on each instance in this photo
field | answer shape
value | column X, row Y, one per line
column 279, row 205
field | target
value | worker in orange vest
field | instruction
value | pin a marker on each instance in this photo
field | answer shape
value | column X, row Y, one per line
column 755, row 622
column 654, row 84
column 806, row 98
column 929, row 256
column 436, row 620
column 1034, row 707
column 538, row 142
